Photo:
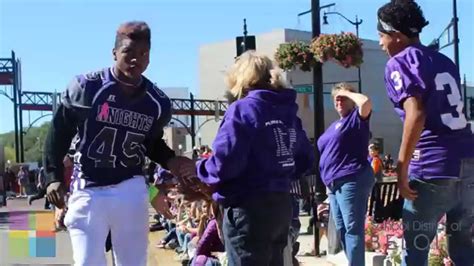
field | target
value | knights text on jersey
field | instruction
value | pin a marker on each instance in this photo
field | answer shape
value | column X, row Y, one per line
column 114, row 130
column 419, row 71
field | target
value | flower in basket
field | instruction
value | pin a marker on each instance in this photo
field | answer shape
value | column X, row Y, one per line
column 324, row 47
column 292, row 54
column 345, row 49
column 372, row 232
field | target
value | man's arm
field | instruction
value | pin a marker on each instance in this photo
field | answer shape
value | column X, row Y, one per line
column 412, row 128
column 415, row 117
column 362, row 102
column 74, row 108
column 159, row 151
column 58, row 140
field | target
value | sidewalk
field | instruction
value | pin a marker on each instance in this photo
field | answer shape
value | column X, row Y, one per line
column 306, row 246
column 156, row 256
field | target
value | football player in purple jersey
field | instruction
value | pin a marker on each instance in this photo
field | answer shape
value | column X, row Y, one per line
column 119, row 116
column 424, row 87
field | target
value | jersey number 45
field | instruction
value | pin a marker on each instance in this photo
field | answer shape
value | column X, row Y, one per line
column 103, row 149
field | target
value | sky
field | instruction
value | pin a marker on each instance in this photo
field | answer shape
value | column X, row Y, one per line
column 56, row 40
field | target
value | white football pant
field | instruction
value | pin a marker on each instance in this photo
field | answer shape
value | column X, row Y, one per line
column 122, row 209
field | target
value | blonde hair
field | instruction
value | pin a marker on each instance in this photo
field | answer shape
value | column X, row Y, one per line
column 252, row 70
column 341, row 86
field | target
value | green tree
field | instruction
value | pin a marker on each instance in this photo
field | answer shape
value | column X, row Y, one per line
column 10, row 154
column 33, row 142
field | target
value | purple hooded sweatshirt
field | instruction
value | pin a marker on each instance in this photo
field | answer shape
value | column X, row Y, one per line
column 260, row 147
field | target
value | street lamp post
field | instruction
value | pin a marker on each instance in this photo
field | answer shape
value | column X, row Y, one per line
column 356, row 23
column 320, row 188
column 456, row 34
column 244, row 43
column 317, row 94
column 452, row 39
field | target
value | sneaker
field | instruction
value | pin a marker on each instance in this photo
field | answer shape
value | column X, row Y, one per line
column 309, row 230
column 161, row 244
column 60, row 228
column 156, row 227
column 181, row 257
column 171, row 245
column 185, row 262
column 30, row 200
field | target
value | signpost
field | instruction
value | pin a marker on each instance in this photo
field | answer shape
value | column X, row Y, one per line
column 305, row 89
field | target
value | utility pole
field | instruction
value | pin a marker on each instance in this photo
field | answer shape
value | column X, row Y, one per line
column 320, row 188
column 244, row 48
column 465, row 96
column 455, row 33
column 193, row 121
column 318, row 96
column 357, row 23
column 16, row 107
column 20, row 110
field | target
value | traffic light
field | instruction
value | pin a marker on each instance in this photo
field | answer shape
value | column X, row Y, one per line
column 242, row 46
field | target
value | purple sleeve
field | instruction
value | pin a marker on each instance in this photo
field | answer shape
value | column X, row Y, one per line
column 209, row 240
column 162, row 176
column 230, row 147
column 304, row 154
column 357, row 121
column 81, row 90
column 406, row 76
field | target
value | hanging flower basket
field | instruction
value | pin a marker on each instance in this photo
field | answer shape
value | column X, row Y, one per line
column 345, row 49
column 295, row 54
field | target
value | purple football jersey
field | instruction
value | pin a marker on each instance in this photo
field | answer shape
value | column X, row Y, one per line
column 116, row 132
column 420, row 71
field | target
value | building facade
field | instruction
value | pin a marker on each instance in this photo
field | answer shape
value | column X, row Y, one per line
column 176, row 135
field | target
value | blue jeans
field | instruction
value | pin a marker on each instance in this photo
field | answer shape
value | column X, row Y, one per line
column 170, row 236
column 183, row 239
column 348, row 199
column 453, row 197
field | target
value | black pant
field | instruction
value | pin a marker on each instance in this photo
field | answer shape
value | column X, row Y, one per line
column 256, row 230
column 3, row 194
column 46, row 204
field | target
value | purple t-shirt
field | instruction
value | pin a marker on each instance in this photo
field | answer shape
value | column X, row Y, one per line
column 343, row 147
column 446, row 137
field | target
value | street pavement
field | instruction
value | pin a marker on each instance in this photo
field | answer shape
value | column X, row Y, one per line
column 27, row 237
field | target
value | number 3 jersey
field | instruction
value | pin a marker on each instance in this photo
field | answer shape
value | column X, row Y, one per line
column 115, row 130
column 446, row 137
